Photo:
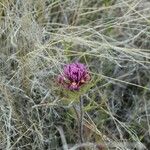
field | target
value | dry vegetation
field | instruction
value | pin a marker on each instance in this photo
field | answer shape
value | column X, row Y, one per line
column 37, row 37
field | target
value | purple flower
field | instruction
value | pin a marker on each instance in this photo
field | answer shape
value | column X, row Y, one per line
column 74, row 75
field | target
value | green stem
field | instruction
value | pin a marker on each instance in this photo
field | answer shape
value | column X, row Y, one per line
column 80, row 116
column 81, row 121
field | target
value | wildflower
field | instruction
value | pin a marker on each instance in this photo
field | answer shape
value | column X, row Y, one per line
column 74, row 76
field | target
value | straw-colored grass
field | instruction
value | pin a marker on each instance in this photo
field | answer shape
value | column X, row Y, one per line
column 37, row 37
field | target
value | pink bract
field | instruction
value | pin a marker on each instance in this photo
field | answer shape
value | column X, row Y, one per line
column 74, row 75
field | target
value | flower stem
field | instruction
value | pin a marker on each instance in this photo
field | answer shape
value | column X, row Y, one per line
column 81, row 121
column 80, row 116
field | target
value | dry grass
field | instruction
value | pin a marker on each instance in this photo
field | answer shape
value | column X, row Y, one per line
column 38, row 37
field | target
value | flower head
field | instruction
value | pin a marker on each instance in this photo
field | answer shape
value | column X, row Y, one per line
column 74, row 75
